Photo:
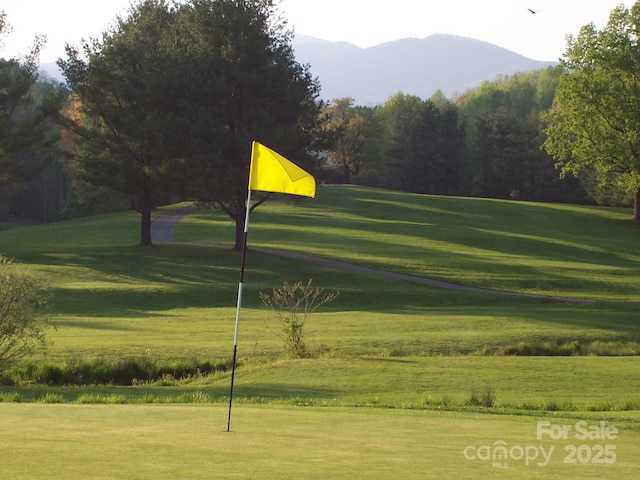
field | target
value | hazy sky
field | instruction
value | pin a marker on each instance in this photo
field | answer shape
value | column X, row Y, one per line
column 506, row 23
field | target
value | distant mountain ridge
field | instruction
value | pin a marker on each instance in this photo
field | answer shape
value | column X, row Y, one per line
column 449, row 63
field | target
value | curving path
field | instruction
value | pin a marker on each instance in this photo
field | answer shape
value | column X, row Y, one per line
column 162, row 233
column 163, row 226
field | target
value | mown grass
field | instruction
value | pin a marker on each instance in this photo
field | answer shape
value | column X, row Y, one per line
column 190, row 441
column 514, row 384
column 402, row 378
column 114, row 300
column 576, row 251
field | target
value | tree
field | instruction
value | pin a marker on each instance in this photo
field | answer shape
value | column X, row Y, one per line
column 546, row 86
column 26, row 116
column 351, row 130
column 594, row 122
column 442, row 175
column 256, row 91
column 423, row 143
column 23, row 302
column 171, row 98
column 504, row 129
column 401, row 120
column 127, row 117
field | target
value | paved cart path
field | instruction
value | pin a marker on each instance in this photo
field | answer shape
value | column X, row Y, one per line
column 162, row 233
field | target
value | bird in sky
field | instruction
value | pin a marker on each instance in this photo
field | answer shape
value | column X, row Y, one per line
column 533, row 11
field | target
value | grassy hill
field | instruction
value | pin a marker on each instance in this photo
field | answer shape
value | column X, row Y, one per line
column 403, row 377
column 115, row 300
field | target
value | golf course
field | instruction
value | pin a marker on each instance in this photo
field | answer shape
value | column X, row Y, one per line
column 471, row 338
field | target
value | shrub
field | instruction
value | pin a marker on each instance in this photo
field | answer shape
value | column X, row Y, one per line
column 90, row 399
column 558, row 347
column 49, row 374
column 193, row 397
column 291, row 305
column 482, row 399
column 23, row 304
column 192, row 368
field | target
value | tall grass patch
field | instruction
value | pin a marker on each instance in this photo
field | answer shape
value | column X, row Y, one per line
column 118, row 371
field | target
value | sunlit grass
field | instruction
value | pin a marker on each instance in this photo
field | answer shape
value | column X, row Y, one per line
column 397, row 369
column 151, row 441
column 113, row 299
column 586, row 252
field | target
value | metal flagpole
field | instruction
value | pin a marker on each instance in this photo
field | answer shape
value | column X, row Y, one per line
column 239, row 302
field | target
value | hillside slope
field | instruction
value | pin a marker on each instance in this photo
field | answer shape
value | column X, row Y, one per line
column 548, row 249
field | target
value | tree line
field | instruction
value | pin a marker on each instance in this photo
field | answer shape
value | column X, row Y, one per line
column 485, row 143
column 164, row 106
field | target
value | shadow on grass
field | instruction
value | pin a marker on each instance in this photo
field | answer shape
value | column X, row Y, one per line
column 130, row 282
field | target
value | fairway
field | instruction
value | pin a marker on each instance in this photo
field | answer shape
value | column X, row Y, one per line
column 150, row 442
column 403, row 379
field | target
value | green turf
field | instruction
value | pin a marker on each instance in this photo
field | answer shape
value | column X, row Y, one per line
column 387, row 391
column 588, row 252
column 114, row 299
column 572, row 384
column 150, row 442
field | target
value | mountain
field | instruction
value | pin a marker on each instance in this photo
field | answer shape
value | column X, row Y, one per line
column 50, row 71
column 449, row 63
column 371, row 75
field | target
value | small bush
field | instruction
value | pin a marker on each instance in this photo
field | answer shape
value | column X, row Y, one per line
column 435, row 402
column 291, row 305
column 49, row 374
column 482, row 399
column 543, row 348
column 551, row 406
column 192, row 368
column 93, row 372
column 194, row 397
column 127, row 371
column 555, row 347
column 613, row 348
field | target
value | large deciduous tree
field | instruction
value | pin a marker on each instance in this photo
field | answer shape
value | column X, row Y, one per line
column 251, row 87
column 595, row 120
column 126, row 109
column 349, row 130
column 171, row 98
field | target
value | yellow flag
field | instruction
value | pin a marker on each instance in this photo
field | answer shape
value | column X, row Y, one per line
column 271, row 172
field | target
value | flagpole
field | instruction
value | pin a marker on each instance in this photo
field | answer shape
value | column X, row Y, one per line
column 270, row 172
column 238, row 303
